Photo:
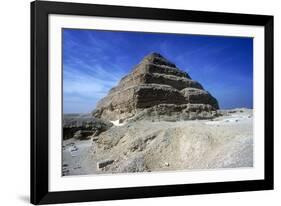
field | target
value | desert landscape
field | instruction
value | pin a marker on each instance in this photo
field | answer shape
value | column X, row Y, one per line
column 156, row 119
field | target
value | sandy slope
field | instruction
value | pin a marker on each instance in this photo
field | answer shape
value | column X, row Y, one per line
column 225, row 142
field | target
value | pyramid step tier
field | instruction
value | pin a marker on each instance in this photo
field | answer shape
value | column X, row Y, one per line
column 156, row 58
column 149, row 95
column 157, row 78
column 156, row 68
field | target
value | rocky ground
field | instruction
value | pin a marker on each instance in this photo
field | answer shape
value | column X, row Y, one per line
column 148, row 146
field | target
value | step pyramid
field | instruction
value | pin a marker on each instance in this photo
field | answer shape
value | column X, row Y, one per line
column 157, row 88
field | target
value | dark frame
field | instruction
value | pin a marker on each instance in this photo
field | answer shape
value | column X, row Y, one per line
column 39, row 102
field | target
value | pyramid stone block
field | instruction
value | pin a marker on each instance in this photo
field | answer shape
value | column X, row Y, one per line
column 157, row 88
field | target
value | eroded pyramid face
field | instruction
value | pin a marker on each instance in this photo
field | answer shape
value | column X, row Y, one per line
column 157, row 88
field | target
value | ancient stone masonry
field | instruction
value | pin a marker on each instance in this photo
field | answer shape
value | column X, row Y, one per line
column 157, row 90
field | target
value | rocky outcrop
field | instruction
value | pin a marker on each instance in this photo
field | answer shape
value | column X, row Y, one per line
column 83, row 126
column 158, row 89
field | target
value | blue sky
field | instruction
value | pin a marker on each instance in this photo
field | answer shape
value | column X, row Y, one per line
column 94, row 61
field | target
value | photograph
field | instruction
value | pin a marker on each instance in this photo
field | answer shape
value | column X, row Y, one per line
column 155, row 102
column 130, row 102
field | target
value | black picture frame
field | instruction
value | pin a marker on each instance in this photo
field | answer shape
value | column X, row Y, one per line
column 39, row 102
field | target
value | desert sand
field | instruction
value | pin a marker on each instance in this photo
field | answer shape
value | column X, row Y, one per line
column 149, row 146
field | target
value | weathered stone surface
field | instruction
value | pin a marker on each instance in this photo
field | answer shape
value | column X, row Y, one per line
column 199, row 96
column 156, row 81
column 136, row 164
column 104, row 163
column 172, row 112
column 83, row 134
column 82, row 126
